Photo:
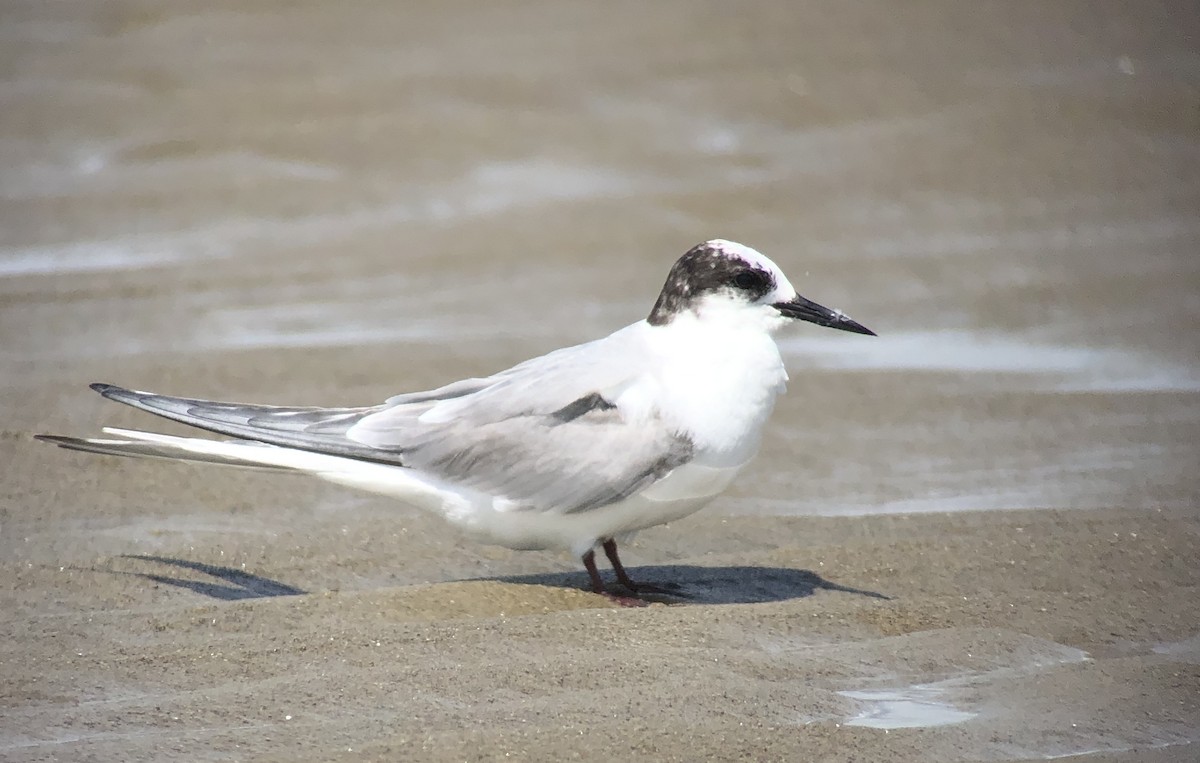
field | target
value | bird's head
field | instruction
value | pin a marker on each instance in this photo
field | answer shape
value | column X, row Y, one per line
column 726, row 281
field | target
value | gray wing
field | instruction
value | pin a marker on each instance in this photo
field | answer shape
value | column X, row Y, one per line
column 548, row 434
column 584, row 455
column 307, row 428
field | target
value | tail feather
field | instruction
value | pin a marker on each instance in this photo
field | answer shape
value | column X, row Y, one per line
column 304, row 440
column 386, row 479
column 319, row 430
column 148, row 445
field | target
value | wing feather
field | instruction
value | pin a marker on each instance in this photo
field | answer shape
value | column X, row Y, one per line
column 549, row 434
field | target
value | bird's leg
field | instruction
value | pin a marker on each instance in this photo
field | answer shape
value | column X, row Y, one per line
column 610, row 550
column 589, row 562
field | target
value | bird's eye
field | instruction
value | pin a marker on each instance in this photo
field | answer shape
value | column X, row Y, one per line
column 748, row 279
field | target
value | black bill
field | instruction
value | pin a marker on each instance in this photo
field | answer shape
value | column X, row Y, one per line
column 807, row 310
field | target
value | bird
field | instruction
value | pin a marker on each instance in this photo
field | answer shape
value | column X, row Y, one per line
column 574, row 450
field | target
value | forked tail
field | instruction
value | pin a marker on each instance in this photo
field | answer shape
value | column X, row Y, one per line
column 151, row 445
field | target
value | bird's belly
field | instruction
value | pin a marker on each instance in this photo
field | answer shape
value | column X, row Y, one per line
column 682, row 492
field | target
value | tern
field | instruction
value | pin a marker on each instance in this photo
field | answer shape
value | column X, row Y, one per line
column 572, row 450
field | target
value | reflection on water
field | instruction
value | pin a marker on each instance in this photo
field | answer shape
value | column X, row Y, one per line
column 909, row 708
column 1063, row 367
column 488, row 189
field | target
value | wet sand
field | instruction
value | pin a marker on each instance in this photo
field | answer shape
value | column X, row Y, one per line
column 248, row 633
column 974, row 538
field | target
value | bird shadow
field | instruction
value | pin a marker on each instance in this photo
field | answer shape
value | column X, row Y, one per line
column 693, row 584
column 672, row 584
column 233, row 585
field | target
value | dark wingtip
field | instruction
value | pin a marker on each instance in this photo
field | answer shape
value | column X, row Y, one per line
column 111, row 391
column 54, row 439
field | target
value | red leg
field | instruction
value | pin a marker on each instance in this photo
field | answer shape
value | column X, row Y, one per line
column 589, row 562
column 610, row 550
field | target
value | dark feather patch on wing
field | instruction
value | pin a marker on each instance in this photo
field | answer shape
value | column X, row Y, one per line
column 582, row 406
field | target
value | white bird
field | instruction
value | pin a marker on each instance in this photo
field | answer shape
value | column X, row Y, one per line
column 570, row 450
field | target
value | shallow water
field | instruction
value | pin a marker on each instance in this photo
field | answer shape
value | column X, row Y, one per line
column 909, row 708
column 1017, row 221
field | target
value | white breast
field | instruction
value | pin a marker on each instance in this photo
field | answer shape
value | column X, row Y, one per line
column 718, row 385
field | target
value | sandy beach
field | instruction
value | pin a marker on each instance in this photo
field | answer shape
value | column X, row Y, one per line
column 975, row 538
column 1014, row 635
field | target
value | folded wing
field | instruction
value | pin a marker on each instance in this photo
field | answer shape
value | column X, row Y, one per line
column 551, row 434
